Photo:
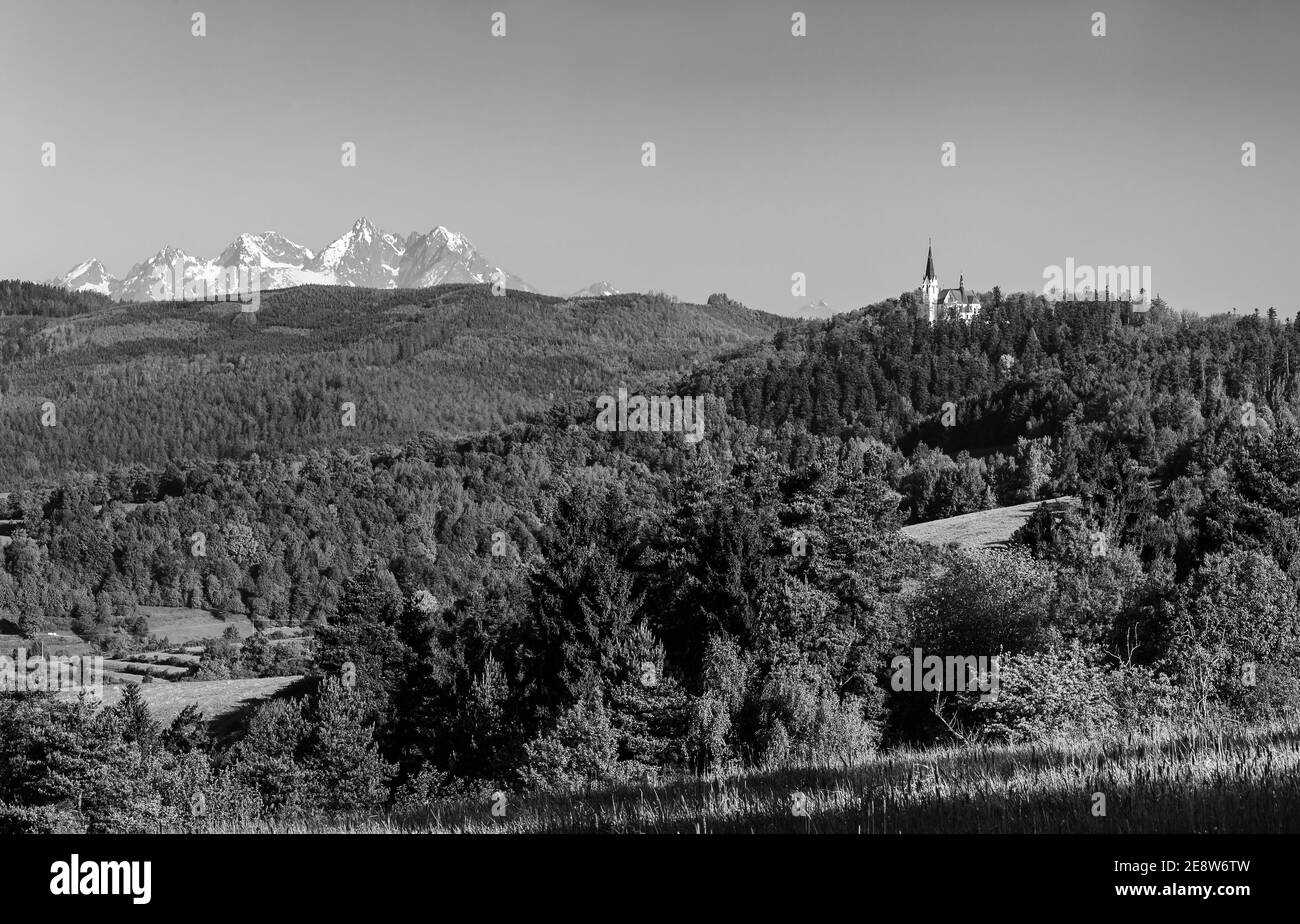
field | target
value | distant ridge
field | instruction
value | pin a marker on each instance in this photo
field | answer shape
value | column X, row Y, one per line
column 596, row 290
column 363, row 256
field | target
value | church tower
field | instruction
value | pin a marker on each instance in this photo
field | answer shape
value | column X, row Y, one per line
column 930, row 285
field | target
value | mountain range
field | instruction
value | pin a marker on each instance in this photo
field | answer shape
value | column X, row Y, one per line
column 364, row 256
column 600, row 289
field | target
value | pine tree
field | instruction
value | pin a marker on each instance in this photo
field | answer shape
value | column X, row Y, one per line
column 346, row 771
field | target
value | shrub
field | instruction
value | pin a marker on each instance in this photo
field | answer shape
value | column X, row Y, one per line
column 842, row 732
column 987, row 602
column 1142, row 697
column 1045, row 695
column 424, row 791
column 581, row 750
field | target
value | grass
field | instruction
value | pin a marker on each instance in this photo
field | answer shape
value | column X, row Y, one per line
column 1197, row 781
column 181, row 624
column 143, row 668
column 222, row 702
column 51, row 643
column 981, row 530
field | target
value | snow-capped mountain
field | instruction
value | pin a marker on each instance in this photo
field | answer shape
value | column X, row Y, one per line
column 596, row 290
column 279, row 260
column 364, row 256
column 269, row 247
column 157, row 277
column 88, row 277
column 445, row 256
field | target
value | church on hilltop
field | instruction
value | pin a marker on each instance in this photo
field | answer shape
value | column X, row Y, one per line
column 949, row 304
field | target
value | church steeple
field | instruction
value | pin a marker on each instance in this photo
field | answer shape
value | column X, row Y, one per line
column 930, row 286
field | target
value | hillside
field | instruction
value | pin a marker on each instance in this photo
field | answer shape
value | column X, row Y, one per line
column 222, row 702
column 153, row 383
column 980, row 530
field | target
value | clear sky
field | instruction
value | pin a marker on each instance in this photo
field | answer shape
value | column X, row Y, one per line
column 776, row 154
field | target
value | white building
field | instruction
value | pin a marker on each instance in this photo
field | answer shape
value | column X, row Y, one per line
column 937, row 303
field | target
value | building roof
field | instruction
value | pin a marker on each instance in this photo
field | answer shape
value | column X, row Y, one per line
column 956, row 296
column 929, row 264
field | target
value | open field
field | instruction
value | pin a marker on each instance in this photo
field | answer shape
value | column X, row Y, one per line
column 52, row 643
column 981, row 530
column 180, row 624
column 1194, row 781
column 174, row 658
column 221, row 701
column 154, row 669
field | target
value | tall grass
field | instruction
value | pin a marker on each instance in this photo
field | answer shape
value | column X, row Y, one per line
column 1198, row 781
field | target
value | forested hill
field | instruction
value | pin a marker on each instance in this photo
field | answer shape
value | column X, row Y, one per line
column 1032, row 400
column 878, row 372
column 162, row 382
column 20, row 299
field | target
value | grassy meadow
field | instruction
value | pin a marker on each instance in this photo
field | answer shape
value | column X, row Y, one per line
column 983, row 529
column 1200, row 781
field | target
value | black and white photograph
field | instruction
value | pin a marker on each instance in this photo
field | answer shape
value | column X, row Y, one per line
column 435, row 422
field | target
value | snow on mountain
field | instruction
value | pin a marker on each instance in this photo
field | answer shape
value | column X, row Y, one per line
column 596, row 290
column 161, row 277
column 280, row 261
column 269, row 248
column 88, row 277
column 443, row 256
column 364, row 256
column 816, row 310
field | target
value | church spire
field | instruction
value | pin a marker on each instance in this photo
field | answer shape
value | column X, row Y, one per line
column 929, row 262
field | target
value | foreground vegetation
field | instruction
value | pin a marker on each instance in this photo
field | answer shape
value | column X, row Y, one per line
column 1202, row 781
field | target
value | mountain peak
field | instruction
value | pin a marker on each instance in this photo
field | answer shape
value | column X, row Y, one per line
column 446, row 256
column 88, row 276
column 598, row 289
column 448, row 238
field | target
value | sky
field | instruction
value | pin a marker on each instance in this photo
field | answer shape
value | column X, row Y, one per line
column 775, row 154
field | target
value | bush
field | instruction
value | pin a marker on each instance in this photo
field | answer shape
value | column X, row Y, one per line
column 842, row 732
column 1143, row 698
column 1041, row 696
column 581, row 750
column 986, row 603
column 426, row 790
